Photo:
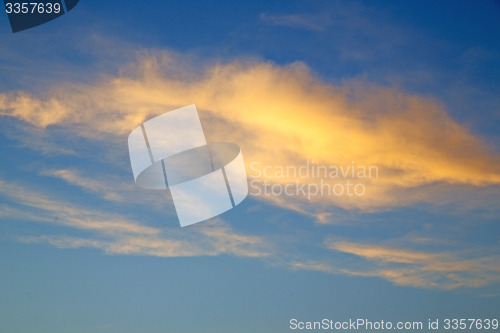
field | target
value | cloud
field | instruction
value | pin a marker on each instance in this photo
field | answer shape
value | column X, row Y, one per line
column 446, row 270
column 188, row 243
column 300, row 21
column 281, row 116
column 43, row 209
column 107, row 186
column 383, row 254
column 117, row 234
column 313, row 265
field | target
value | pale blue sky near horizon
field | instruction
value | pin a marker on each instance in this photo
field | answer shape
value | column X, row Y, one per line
column 74, row 228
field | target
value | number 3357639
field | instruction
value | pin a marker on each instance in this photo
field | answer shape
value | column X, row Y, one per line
column 32, row 8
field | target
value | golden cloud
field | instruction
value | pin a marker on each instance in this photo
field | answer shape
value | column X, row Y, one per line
column 282, row 116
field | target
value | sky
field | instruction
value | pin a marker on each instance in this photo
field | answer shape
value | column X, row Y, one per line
column 409, row 89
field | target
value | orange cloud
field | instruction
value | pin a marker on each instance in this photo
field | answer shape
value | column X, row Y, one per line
column 282, row 116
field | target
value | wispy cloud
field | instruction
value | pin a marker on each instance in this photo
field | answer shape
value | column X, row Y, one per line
column 219, row 239
column 300, row 21
column 417, row 268
column 111, row 188
column 64, row 213
column 117, row 234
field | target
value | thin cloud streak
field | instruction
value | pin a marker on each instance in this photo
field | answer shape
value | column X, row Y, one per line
column 299, row 21
column 446, row 270
column 116, row 234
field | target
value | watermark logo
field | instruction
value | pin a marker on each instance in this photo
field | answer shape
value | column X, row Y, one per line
column 28, row 14
column 204, row 179
column 311, row 180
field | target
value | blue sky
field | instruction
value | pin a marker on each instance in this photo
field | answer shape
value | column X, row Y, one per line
column 411, row 88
